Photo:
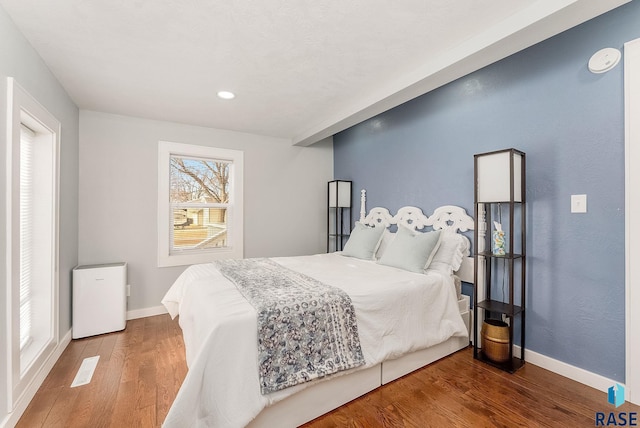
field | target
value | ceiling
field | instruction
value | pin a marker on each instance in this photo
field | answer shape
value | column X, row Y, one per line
column 301, row 69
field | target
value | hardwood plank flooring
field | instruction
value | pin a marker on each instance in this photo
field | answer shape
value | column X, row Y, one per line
column 141, row 368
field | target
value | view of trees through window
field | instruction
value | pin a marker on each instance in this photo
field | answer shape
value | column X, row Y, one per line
column 199, row 197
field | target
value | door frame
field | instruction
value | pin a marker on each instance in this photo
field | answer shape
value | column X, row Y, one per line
column 632, row 217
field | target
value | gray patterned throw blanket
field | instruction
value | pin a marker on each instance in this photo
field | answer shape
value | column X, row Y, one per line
column 306, row 329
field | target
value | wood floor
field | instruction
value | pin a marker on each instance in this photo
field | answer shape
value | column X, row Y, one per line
column 138, row 375
column 140, row 371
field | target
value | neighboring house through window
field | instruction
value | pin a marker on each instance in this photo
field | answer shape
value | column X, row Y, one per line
column 199, row 204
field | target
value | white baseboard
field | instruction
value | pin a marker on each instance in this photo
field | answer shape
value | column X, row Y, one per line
column 12, row 418
column 583, row 376
column 146, row 312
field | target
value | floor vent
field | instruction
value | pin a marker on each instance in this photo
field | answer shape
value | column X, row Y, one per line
column 85, row 373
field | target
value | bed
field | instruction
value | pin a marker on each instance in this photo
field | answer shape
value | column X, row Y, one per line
column 405, row 320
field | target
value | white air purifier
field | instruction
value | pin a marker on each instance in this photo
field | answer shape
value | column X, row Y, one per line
column 99, row 299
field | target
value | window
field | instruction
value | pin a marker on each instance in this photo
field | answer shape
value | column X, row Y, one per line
column 32, row 244
column 199, row 204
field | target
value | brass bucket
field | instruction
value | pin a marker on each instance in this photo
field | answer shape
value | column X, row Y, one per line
column 495, row 340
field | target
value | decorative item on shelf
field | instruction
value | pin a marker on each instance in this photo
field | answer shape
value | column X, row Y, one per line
column 495, row 340
column 497, row 241
column 339, row 222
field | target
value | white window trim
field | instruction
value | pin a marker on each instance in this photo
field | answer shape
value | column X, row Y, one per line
column 235, row 247
column 21, row 107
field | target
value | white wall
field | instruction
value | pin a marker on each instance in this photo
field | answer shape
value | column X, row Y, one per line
column 284, row 195
column 19, row 60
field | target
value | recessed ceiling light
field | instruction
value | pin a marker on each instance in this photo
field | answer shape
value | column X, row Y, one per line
column 226, row 95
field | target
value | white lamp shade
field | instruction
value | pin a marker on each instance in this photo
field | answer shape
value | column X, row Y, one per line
column 492, row 173
column 339, row 194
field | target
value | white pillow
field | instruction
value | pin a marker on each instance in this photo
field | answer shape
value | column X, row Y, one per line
column 363, row 242
column 453, row 249
column 411, row 250
column 447, row 259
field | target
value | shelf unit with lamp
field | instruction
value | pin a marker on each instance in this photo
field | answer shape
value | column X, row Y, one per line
column 339, row 218
column 500, row 259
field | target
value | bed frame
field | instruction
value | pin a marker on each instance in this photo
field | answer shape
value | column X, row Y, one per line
column 325, row 396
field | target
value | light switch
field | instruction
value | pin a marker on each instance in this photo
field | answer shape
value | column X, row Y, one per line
column 578, row 203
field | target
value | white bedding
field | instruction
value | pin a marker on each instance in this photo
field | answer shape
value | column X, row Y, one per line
column 397, row 312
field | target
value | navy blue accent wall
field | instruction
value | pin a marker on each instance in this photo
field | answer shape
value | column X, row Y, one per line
column 570, row 123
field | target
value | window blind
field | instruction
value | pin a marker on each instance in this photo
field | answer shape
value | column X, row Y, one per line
column 27, row 137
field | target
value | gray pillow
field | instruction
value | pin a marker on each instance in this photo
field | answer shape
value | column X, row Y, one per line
column 363, row 242
column 412, row 251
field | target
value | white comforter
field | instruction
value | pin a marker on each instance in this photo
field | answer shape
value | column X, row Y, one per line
column 397, row 312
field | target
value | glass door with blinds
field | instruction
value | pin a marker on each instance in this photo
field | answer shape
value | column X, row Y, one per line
column 32, row 238
column 36, row 243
